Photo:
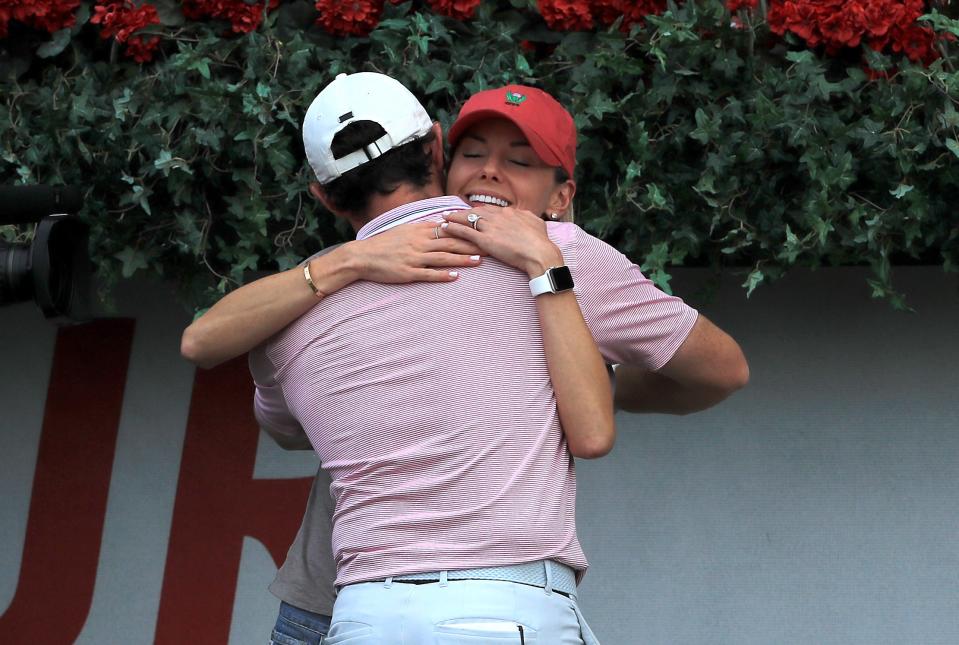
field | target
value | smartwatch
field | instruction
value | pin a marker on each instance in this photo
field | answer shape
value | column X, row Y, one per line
column 555, row 279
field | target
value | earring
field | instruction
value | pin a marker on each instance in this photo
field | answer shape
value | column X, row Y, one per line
column 554, row 215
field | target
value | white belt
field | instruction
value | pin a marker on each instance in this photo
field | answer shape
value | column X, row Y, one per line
column 549, row 574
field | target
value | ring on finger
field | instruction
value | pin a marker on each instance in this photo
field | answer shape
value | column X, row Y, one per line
column 473, row 219
column 436, row 232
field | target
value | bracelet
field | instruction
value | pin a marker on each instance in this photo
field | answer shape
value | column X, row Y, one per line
column 309, row 281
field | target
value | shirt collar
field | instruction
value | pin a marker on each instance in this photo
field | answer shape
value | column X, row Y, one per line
column 409, row 212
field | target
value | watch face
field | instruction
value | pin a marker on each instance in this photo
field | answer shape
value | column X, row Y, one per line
column 561, row 278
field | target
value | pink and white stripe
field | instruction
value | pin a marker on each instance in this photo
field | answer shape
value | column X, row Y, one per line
column 432, row 408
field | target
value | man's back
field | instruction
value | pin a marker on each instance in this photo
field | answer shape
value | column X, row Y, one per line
column 432, row 408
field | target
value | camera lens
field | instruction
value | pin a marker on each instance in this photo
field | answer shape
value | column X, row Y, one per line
column 15, row 282
column 62, row 269
column 53, row 270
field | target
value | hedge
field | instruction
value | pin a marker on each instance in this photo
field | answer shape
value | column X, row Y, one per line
column 745, row 139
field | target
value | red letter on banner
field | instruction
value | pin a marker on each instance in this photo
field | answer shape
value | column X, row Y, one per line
column 70, row 485
column 218, row 503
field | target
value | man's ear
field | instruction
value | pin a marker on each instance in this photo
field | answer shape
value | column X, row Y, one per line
column 320, row 195
column 436, row 150
column 562, row 197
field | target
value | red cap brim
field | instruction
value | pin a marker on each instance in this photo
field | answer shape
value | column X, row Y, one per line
column 540, row 147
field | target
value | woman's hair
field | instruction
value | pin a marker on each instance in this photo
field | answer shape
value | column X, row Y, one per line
column 410, row 163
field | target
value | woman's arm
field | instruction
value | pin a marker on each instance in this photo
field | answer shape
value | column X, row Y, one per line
column 246, row 317
column 576, row 368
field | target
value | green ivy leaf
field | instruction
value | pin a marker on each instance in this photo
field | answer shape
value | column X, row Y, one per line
column 656, row 198
column 55, row 45
column 131, row 260
column 753, row 280
column 121, row 104
column 900, row 191
column 522, row 65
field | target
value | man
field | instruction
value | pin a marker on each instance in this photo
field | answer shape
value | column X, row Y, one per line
column 443, row 472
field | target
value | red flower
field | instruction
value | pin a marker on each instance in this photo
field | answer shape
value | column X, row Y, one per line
column 917, row 43
column 141, row 49
column 566, row 15
column 120, row 19
column 459, row 9
column 632, row 11
column 847, row 23
column 49, row 15
column 243, row 17
column 736, row 5
column 575, row 15
column 352, row 17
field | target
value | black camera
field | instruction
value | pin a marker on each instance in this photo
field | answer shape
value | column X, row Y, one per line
column 54, row 268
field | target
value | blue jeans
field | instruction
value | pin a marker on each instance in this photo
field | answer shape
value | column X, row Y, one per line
column 295, row 626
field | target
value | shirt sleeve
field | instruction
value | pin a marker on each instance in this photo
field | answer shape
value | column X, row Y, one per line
column 631, row 319
column 269, row 404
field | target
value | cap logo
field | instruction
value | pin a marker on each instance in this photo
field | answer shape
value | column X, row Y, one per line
column 514, row 98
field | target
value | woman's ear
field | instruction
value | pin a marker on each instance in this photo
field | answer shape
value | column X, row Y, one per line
column 562, row 197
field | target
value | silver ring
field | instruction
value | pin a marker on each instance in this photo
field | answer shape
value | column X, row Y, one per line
column 473, row 218
column 436, row 232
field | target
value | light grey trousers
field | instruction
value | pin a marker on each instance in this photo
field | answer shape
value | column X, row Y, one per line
column 455, row 612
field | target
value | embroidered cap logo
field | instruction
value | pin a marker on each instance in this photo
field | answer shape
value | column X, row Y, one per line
column 514, row 98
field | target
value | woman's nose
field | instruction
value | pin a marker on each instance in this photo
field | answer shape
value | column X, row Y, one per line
column 490, row 169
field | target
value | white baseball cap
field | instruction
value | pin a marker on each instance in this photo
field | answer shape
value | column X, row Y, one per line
column 365, row 96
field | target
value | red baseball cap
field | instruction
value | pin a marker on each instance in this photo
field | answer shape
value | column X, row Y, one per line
column 545, row 123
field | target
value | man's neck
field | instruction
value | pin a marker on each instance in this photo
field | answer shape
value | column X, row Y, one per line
column 403, row 195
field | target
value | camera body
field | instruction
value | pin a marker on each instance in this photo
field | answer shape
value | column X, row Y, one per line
column 54, row 268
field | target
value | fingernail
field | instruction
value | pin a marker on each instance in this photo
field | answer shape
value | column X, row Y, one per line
column 474, row 258
column 454, row 274
column 444, row 224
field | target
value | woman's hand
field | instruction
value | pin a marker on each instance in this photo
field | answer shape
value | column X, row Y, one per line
column 513, row 236
column 412, row 252
column 246, row 317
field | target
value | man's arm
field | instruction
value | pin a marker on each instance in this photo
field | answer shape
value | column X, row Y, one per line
column 269, row 404
column 707, row 368
column 672, row 359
